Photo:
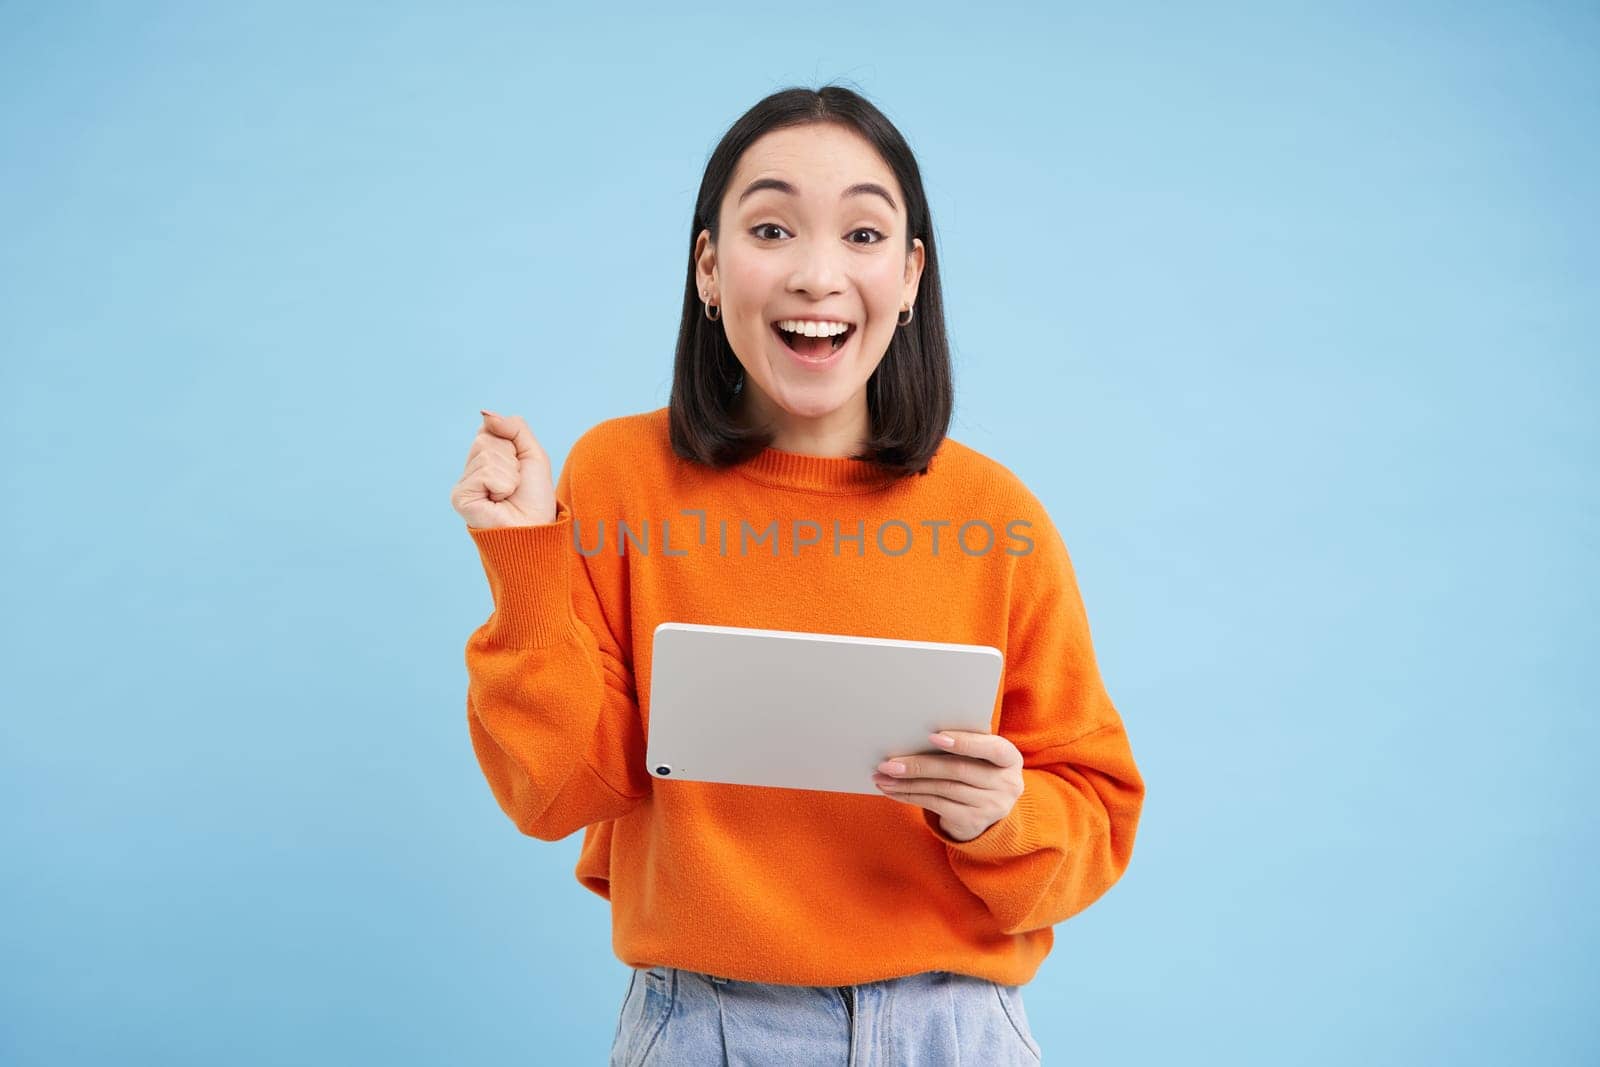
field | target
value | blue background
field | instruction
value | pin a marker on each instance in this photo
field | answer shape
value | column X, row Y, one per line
column 1287, row 313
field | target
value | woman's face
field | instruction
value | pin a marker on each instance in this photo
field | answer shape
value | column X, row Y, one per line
column 825, row 251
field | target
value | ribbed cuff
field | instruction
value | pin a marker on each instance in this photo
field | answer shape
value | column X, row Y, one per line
column 1014, row 835
column 527, row 568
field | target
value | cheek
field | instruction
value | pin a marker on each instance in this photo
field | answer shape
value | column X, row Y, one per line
column 884, row 275
column 749, row 279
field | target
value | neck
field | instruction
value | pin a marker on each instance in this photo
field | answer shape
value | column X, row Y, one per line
column 841, row 432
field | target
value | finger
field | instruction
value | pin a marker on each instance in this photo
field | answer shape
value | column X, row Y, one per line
column 488, row 442
column 495, row 446
column 481, row 444
column 959, row 792
column 514, row 429
column 496, row 459
column 936, row 804
column 930, row 765
column 498, row 484
column 486, row 465
column 465, row 494
column 995, row 748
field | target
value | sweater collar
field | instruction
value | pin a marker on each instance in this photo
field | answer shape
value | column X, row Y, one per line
column 816, row 474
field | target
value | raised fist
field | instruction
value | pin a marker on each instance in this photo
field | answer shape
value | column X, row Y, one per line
column 507, row 478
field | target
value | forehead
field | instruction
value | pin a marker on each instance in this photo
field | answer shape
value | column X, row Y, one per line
column 821, row 160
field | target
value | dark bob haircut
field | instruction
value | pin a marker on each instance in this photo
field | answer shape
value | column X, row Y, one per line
column 910, row 393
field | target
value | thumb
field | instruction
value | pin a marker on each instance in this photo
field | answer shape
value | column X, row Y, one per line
column 514, row 429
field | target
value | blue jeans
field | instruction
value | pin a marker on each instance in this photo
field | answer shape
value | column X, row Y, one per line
column 673, row 1017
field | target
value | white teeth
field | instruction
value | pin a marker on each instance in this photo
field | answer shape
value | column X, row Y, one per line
column 813, row 329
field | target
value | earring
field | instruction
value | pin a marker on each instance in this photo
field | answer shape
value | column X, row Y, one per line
column 909, row 312
column 709, row 306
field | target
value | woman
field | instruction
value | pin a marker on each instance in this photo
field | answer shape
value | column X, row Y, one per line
column 779, row 925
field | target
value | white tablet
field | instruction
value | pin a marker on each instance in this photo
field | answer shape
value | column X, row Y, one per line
column 800, row 710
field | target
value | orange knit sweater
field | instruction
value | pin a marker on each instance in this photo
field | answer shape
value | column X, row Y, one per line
column 802, row 887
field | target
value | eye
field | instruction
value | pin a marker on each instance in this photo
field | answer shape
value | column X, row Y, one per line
column 756, row 231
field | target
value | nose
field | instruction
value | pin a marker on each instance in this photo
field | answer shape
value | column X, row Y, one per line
column 816, row 269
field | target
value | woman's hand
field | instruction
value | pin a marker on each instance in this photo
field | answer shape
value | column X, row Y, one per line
column 507, row 478
column 971, row 788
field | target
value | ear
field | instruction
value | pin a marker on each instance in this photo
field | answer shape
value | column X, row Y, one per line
column 914, row 263
column 705, row 256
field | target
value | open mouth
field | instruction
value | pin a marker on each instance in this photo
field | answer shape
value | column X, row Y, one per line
column 815, row 349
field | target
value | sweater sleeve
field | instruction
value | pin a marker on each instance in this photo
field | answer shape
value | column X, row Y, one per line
column 551, row 706
column 1069, row 836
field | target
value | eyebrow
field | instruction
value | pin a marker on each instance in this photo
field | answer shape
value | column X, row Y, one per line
column 778, row 184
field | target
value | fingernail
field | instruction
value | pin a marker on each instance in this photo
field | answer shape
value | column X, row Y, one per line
column 894, row 768
column 488, row 412
column 942, row 741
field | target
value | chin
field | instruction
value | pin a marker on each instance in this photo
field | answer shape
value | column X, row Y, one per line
column 815, row 402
